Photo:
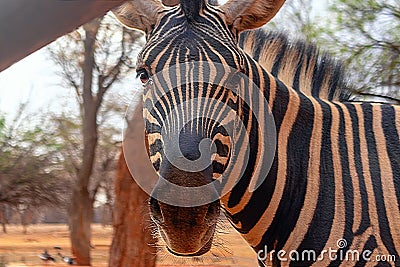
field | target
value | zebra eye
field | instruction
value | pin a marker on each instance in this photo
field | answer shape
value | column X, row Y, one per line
column 143, row 75
column 234, row 82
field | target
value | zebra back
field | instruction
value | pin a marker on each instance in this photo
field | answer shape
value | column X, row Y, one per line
column 298, row 64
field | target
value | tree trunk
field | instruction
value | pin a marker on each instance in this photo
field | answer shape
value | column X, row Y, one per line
column 27, row 216
column 133, row 244
column 81, row 206
column 106, row 215
column 80, row 216
column 3, row 218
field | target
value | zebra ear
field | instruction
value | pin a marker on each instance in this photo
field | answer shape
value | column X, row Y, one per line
column 170, row 2
column 139, row 14
column 243, row 15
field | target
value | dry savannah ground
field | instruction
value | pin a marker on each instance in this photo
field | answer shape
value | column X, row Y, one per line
column 17, row 249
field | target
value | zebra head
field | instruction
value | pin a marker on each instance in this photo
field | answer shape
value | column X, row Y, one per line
column 192, row 72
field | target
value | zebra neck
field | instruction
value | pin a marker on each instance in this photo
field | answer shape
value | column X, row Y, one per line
column 271, row 188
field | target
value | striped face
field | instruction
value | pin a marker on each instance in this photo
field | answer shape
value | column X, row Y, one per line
column 189, row 112
column 193, row 72
column 187, row 99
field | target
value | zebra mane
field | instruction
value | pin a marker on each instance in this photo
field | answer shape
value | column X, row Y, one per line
column 298, row 64
column 192, row 8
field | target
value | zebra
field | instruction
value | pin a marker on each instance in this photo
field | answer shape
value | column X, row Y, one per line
column 333, row 180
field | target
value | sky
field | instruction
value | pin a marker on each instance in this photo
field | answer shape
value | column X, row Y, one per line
column 31, row 78
column 35, row 78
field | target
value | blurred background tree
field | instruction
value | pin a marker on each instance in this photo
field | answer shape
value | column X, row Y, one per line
column 365, row 35
column 68, row 128
column 298, row 19
column 92, row 60
column 30, row 174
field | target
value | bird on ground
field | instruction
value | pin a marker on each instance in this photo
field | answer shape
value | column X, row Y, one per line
column 66, row 259
column 45, row 256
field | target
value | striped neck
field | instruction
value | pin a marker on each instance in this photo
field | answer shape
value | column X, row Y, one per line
column 258, row 187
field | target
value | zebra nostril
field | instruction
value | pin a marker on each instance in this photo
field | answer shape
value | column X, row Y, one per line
column 155, row 211
column 212, row 213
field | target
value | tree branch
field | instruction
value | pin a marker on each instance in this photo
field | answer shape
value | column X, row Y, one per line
column 380, row 96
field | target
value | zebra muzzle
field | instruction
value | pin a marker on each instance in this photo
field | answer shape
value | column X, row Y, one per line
column 187, row 231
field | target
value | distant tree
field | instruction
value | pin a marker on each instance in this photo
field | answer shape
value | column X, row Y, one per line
column 3, row 218
column 296, row 18
column 29, row 175
column 92, row 60
column 366, row 34
column 68, row 131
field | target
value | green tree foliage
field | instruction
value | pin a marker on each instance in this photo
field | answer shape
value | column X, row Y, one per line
column 366, row 34
column 30, row 174
column 297, row 19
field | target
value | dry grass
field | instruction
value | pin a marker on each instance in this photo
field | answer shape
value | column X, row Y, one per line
column 17, row 249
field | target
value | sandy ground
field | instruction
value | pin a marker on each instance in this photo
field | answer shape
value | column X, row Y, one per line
column 18, row 250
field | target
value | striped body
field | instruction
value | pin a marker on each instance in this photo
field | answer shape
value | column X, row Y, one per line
column 336, row 175
column 336, row 170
